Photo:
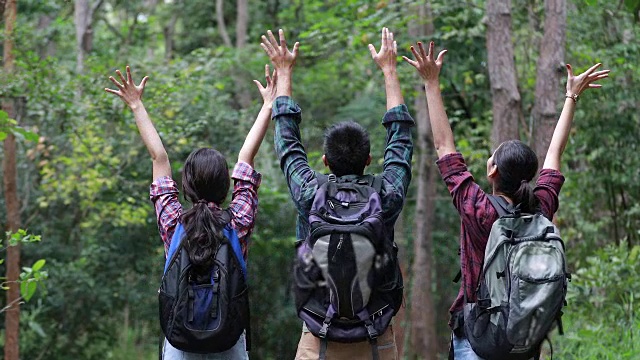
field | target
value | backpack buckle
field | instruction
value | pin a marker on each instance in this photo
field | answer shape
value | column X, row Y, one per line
column 325, row 327
column 373, row 334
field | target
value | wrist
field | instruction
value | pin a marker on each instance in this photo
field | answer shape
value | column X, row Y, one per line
column 573, row 96
column 390, row 72
column 136, row 105
column 432, row 83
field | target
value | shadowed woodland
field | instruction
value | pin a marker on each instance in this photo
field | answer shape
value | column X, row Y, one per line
column 82, row 258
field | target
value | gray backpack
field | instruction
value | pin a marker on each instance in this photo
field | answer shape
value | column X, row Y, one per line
column 522, row 286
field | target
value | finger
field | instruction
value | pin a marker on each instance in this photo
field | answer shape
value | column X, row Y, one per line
column 440, row 58
column 266, row 49
column 283, row 41
column 415, row 53
column 395, row 47
column 259, row 85
column 274, row 77
column 423, row 54
column 267, row 45
column 113, row 80
column 598, row 73
column 272, row 39
column 411, row 62
column 390, row 40
column 124, row 82
column 372, row 50
column 113, row 91
column 593, row 68
column 595, row 86
column 430, row 54
column 266, row 72
column 383, row 37
column 129, row 77
column 296, row 46
column 569, row 71
column 143, row 83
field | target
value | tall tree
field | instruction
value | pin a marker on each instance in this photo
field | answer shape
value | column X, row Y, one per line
column 550, row 70
column 507, row 110
column 423, row 322
column 83, row 20
column 12, row 317
column 242, row 22
column 222, row 27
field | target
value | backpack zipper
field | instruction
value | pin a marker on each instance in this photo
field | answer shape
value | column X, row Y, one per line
column 333, row 258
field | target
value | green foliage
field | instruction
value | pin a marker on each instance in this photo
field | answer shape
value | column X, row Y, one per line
column 602, row 320
column 84, row 179
column 30, row 277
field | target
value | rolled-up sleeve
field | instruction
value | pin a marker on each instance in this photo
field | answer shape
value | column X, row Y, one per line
column 244, row 203
column 164, row 195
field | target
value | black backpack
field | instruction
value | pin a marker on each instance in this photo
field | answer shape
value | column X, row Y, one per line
column 347, row 280
column 210, row 317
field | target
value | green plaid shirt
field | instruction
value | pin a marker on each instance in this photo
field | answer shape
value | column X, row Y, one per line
column 303, row 181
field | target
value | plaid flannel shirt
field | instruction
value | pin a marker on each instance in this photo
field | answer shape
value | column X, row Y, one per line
column 477, row 215
column 303, row 181
column 243, row 206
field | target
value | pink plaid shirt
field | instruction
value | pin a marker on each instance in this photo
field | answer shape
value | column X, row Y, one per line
column 243, row 206
column 477, row 215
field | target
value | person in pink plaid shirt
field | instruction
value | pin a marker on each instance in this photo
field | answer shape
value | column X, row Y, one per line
column 205, row 182
column 509, row 169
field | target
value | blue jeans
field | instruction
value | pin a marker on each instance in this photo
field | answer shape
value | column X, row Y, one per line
column 462, row 349
column 237, row 352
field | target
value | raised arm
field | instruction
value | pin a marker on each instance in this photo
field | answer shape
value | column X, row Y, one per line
column 259, row 129
column 282, row 59
column 429, row 69
column 131, row 94
column 386, row 59
column 575, row 86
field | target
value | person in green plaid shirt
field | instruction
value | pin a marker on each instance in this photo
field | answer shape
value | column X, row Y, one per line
column 346, row 153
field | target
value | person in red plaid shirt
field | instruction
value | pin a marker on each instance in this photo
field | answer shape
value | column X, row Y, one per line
column 509, row 169
column 205, row 182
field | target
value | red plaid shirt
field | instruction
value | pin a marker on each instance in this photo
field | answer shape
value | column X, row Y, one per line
column 477, row 215
column 243, row 206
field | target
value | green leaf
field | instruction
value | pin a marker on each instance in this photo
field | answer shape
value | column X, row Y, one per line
column 38, row 265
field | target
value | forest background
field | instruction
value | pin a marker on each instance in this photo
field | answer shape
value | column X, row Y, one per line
column 86, row 268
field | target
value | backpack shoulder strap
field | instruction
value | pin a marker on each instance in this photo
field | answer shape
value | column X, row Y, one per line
column 500, row 204
column 232, row 235
column 176, row 239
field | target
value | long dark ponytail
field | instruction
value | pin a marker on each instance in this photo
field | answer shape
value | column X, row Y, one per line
column 205, row 179
column 517, row 165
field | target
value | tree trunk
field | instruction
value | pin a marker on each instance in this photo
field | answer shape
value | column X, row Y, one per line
column 222, row 27
column 12, row 315
column 242, row 22
column 507, row 110
column 49, row 48
column 423, row 324
column 168, row 32
column 83, row 33
column 399, row 236
column 550, row 70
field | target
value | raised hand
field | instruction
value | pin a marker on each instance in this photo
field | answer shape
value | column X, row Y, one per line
column 281, row 57
column 428, row 67
column 128, row 91
column 386, row 58
column 269, row 92
column 577, row 84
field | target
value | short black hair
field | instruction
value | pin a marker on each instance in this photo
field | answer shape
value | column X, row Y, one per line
column 347, row 148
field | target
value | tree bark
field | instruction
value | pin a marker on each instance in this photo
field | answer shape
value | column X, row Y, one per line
column 550, row 70
column 242, row 22
column 83, row 20
column 49, row 48
column 507, row 108
column 222, row 27
column 12, row 315
column 423, row 325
